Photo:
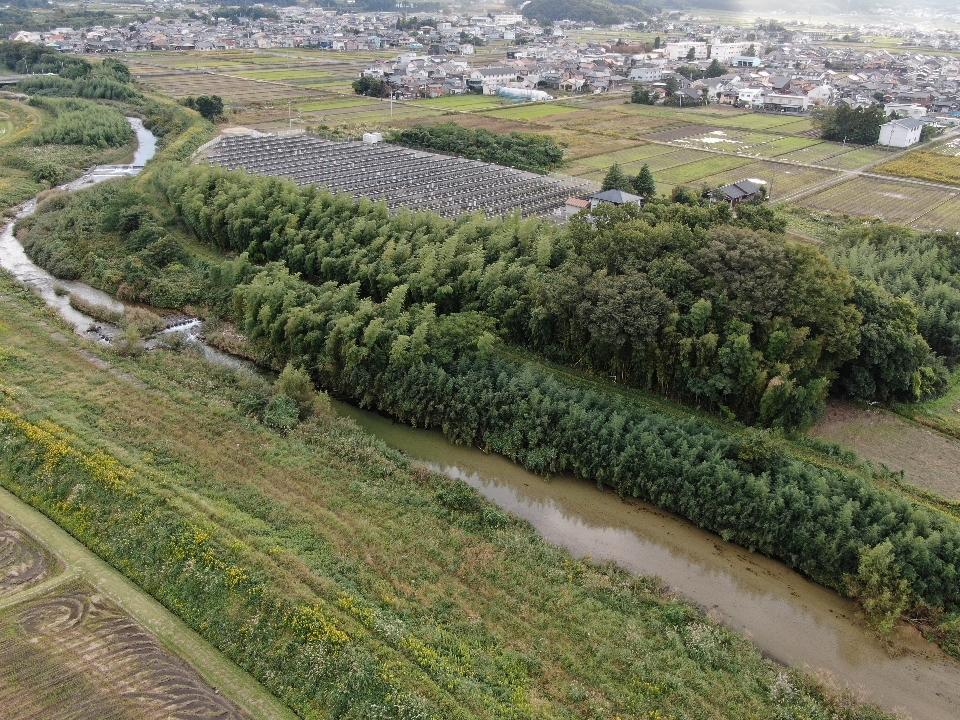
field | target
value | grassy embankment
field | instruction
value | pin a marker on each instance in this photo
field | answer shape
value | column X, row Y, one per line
column 27, row 169
column 428, row 595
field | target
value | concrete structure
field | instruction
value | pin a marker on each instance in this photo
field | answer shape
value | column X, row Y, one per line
column 645, row 73
column 680, row 50
column 746, row 61
column 905, row 110
column 901, row 133
column 790, row 103
column 725, row 52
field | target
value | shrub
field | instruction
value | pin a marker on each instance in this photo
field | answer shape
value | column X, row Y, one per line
column 295, row 383
column 281, row 413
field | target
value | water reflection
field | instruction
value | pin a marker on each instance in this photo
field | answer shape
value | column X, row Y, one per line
column 788, row 617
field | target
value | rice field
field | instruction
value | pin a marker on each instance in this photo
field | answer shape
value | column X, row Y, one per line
column 463, row 103
column 717, row 144
column 783, row 145
column 534, row 111
column 890, row 201
column 73, row 648
column 691, row 172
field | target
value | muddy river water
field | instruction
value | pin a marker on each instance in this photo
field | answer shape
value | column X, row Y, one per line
column 788, row 617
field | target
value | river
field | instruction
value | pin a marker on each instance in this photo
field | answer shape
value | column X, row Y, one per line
column 791, row 619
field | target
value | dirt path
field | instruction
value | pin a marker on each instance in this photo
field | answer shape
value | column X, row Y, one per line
column 215, row 668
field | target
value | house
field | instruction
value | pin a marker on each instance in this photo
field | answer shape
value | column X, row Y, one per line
column 741, row 191
column 750, row 97
column 488, row 79
column 746, row 61
column 645, row 73
column 905, row 110
column 901, row 133
column 614, row 197
column 789, row 103
column 573, row 205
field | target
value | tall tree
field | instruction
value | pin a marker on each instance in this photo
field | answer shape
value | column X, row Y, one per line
column 644, row 184
column 615, row 179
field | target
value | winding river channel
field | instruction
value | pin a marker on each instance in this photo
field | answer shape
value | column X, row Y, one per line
column 788, row 617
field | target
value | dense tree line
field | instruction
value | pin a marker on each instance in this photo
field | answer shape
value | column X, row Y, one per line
column 534, row 153
column 79, row 122
column 371, row 87
column 65, row 76
column 600, row 12
column 30, row 59
column 924, row 268
column 447, row 372
column 112, row 239
column 847, row 124
column 679, row 299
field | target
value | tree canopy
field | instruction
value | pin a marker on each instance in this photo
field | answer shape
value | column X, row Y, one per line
column 524, row 151
column 846, row 124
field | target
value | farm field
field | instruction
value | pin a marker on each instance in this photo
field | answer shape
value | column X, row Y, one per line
column 941, row 413
column 72, row 647
column 891, row 201
column 924, row 165
column 928, row 459
column 300, row 88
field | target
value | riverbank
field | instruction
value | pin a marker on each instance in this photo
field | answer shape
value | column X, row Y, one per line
column 329, row 516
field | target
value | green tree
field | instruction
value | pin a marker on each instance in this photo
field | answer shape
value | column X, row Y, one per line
column 615, row 179
column 691, row 54
column 641, row 96
column 656, row 43
column 715, row 69
column 295, row 383
column 846, row 124
column 209, row 106
column 372, row 87
column 643, row 184
column 879, row 588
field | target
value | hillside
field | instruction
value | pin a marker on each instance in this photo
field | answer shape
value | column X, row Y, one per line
column 600, row 12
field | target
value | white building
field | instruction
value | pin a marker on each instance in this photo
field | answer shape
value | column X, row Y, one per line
column 507, row 19
column 750, row 97
column 791, row 103
column 905, row 110
column 680, row 50
column 645, row 73
column 725, row 52
column 901, row 133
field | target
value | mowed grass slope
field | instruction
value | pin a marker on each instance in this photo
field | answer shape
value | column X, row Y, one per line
column 459, row 604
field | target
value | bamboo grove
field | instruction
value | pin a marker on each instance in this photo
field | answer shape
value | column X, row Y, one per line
column 447, row 372
column 422, row 319
column 682, row 300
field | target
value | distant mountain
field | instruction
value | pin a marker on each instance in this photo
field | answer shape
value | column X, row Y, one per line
column 817, row 7
column 599, row 12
